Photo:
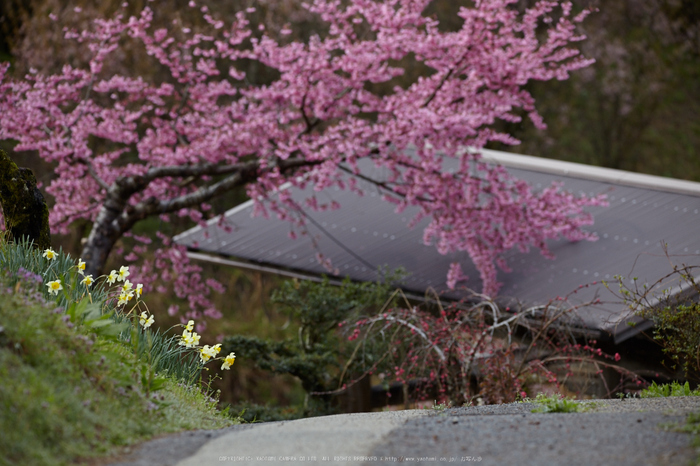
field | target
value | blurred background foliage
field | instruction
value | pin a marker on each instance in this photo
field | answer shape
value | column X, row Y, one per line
column 635, row 109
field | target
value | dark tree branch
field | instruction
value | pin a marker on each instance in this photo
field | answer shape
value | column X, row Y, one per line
column 91, row 170
column 439, row 86
column 381, row 184
column 117, row 216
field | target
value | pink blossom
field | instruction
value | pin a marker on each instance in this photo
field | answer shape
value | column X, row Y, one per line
column 455, row 275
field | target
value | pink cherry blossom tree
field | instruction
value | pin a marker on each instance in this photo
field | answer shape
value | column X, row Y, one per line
column 126, row 148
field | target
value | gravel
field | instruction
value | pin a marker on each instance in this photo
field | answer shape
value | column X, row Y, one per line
column 627, row 432
column 621, row 432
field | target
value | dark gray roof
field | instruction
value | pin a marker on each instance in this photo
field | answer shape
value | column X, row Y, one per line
column 644, row 212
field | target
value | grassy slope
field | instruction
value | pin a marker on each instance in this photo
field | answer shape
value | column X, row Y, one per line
column 67, row 395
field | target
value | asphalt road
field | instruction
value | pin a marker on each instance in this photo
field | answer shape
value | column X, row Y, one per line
column 616, row 432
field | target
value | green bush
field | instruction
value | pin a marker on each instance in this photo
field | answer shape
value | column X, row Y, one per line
column 676, row 318
column 678, row 331
column 321, row 357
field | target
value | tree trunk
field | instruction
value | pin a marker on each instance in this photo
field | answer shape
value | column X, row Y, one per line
column 96, row 251
column 106, row 231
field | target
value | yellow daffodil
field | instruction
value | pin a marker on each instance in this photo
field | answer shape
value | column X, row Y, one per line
column 87, row 281
column 216, row 348
column 50, row 254
column 125, row 298
column 54, row 287
column 185, row 339
column 189, row 326
column 146, row 320
column 81, row 266
column 206, row 353
column 112, row 277
column 189, row 339
column 228, row 361
column 204, row 356
column 123, row 273
column 139, row 290
column 127, row 286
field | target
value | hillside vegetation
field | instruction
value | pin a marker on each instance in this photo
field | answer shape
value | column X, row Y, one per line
column 73, row 389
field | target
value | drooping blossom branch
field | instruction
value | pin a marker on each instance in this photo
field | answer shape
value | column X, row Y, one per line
column 473, row 349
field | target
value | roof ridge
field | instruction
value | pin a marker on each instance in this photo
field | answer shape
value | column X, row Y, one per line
column 590, row 172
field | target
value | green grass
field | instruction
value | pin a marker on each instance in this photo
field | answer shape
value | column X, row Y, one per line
column 555, row 404
column 665, row 390
column 72, row 390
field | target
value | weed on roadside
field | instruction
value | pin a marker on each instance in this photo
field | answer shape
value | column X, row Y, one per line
column 440, row 407
column 555, row 404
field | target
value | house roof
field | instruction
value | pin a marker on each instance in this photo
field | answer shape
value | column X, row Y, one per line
column 644, row 213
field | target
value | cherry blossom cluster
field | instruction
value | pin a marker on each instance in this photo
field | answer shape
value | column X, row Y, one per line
column 127, row 147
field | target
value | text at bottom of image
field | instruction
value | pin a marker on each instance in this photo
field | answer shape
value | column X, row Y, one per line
column 359, row 459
